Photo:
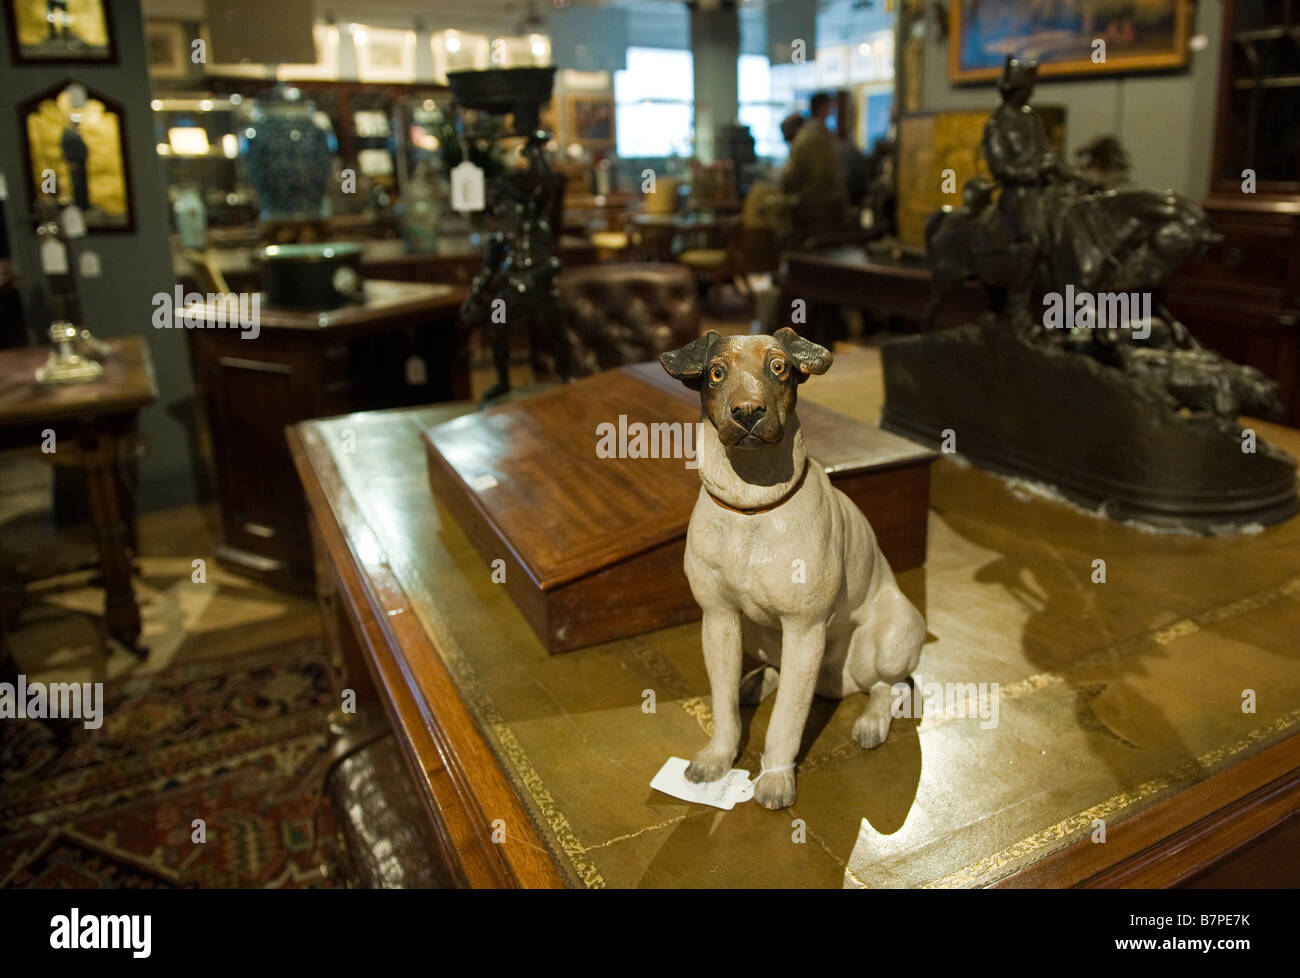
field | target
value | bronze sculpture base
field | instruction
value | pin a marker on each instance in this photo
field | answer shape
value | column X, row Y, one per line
column 1103, row 440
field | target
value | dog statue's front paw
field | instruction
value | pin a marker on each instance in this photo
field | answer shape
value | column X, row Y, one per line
column 776, row 790
column 709, row 764
column 870, row 730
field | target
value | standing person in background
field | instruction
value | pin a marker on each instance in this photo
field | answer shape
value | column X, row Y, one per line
column 857, row 173
column 814, row 174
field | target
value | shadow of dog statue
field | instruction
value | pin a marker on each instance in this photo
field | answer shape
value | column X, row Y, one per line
column 783, row 565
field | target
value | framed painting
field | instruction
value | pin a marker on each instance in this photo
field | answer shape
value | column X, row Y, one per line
column 384, row 55
column 591, row 120
column 165, row 43
column 45, row 32
column 74, row 143
column 1087, row 37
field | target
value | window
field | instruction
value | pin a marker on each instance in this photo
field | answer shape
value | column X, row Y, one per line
column 757, row 109
column 654, row 103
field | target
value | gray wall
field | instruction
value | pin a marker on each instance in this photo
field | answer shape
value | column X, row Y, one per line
column 135, row 266
column 1165, row 120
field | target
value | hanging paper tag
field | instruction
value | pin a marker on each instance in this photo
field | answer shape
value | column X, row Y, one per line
column 90, row 267
column 727, row 792
column 467, row 187
column 416, row 373
column 54, row 257
column 4, row 187
column 74, row 222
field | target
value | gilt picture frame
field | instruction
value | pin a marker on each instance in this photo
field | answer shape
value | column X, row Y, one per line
column 60, row 32
column 75, row 152
column 1138, row 35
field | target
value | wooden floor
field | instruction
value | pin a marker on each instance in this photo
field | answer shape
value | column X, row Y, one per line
column 192, row 608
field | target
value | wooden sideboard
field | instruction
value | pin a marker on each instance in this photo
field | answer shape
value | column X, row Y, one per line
column 1242, row 297
column 1120, row 701
column 309, row 365
column 455, row 261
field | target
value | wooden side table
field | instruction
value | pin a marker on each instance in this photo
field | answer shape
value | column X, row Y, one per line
column 86, row 424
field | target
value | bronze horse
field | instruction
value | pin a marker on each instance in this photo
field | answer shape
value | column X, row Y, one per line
column 1119, row 241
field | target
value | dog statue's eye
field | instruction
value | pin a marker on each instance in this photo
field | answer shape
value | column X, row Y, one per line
column 716, row 373
column 778, row 366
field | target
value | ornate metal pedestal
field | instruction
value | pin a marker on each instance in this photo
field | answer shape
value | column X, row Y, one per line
column 519, row 283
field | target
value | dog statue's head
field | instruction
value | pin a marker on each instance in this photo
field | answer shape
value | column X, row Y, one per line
column 747, row 384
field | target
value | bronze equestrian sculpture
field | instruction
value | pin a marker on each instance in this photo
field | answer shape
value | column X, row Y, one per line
column 1119, row 410
column 1047, row 231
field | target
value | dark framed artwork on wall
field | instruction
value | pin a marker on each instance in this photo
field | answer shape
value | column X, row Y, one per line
column 74, row 151
column 45, row 32
column 165, row 43
column 1139, row 35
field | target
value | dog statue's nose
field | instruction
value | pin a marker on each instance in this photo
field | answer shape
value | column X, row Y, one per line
column 747, row 414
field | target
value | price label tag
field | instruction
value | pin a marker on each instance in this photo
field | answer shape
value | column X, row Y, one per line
column 90, row 267
column 467, row 187
column 54, row 257
column 74, row 222
column 4, row 187
column 725, row 793
column 417, row 374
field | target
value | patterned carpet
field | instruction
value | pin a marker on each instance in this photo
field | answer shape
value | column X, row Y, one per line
column 236, row 741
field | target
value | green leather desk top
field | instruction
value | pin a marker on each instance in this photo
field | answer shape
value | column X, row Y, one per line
column 1111, row 695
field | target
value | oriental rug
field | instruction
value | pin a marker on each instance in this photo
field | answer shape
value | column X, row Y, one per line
column 230, row 751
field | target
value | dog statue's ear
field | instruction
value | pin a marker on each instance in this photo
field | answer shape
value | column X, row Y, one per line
column 687, row 364
column 806, row 355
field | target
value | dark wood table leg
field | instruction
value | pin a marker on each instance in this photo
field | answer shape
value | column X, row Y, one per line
column 111, row 522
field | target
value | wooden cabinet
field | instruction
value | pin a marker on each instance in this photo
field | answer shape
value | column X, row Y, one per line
column 1243, row 296
column 309, row 365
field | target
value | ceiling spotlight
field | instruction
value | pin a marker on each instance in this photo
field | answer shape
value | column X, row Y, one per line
column 453, row 42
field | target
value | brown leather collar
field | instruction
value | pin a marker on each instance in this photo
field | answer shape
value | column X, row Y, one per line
column 764, row 509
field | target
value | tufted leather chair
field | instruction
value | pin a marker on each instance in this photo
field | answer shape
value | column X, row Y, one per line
column 625, row 313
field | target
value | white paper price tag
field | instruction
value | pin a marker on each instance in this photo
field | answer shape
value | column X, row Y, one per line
column 90, row 267
column 4, row 187
column 74, row 222
column 417, row 374
column 467, row 187
column 726, row 793
column 54, row 257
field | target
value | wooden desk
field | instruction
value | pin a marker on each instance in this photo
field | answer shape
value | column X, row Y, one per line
column 1119, row 701
column 89, row 422
column 309, row 365
column 885, row 289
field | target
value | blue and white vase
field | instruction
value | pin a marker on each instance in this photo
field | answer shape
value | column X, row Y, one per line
column 289, row 149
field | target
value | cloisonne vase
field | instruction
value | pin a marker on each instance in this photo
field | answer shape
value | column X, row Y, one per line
column 289, row 148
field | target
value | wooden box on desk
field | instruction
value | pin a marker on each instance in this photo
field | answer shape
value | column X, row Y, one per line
column 593, row 546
